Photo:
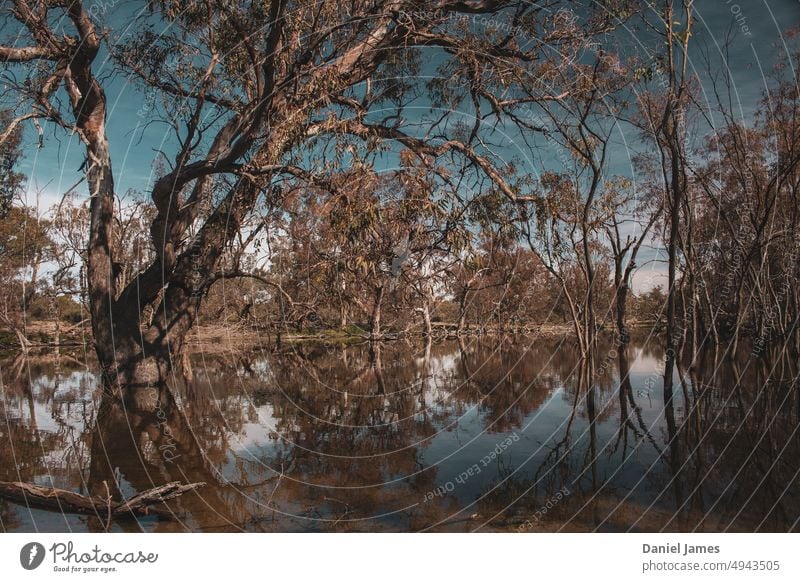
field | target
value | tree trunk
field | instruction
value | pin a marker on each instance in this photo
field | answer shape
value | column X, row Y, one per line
column 22, row 338
column 590, row 320
column 57, row 330
column 88, row 101
column 621, row 309
column 462, row 312
column 676, row 180
column 426, row 318
column 675, row 194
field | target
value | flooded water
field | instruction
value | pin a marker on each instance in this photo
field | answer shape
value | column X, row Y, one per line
column 504, row 434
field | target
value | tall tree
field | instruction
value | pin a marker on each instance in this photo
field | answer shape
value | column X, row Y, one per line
column 10, row 179
column 665, row 114
column 25, row 245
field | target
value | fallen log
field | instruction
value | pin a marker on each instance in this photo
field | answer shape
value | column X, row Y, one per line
column 141, row 504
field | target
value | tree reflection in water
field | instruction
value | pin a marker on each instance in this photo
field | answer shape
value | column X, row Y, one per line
column 405, row 436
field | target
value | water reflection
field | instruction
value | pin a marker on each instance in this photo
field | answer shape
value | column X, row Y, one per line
column 498, row 433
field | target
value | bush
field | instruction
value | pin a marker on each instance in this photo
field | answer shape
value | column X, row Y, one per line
column 650, row 306
column 41, row 309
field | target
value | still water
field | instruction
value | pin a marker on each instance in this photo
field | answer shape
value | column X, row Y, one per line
column 490, row 434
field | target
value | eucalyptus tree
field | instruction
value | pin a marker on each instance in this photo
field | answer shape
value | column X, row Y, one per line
column 395, row 233
column 565, row 225
column 15, row 258
column 665, row 112
column 254, row 93
column 746, row 228
column 10, row 151
column 552, row 236
column 438, row 231
column 375, row 241
column 25, row 245
column 628, row 222
column 486, row 260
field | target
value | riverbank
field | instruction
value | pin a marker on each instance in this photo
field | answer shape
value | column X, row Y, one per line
column 44, row 335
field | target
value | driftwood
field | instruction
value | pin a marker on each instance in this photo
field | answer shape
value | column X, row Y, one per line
column 70, row 502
